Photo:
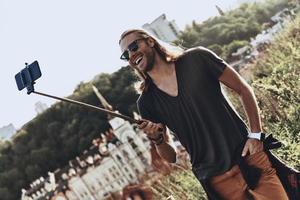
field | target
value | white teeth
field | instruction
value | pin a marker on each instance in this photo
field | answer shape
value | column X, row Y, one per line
column 138, row 60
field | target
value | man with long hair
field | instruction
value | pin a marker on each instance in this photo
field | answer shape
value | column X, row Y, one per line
column 180, row 91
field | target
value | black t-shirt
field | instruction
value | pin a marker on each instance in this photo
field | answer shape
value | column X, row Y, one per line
column 200, row 116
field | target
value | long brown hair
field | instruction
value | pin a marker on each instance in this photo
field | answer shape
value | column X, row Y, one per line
column 168, row 52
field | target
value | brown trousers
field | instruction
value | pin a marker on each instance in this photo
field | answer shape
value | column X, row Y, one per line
column 232, row 186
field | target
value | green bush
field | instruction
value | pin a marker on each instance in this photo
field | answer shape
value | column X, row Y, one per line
column 277, row 86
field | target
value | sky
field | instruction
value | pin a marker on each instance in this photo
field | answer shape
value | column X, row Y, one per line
column 74, row 40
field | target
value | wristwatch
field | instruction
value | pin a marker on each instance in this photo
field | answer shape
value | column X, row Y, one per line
column 259, row 136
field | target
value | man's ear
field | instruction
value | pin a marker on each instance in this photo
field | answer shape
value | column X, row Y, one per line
column 151, row 42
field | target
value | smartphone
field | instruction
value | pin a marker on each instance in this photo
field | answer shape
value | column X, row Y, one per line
column 27, row 76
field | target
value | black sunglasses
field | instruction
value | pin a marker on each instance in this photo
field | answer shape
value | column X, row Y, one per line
column 132, row 47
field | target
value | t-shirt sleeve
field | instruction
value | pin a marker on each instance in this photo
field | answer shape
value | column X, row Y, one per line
column 214, row 64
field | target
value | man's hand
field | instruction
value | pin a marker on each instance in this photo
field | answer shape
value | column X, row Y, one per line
column 252, row 146
column 153, row 130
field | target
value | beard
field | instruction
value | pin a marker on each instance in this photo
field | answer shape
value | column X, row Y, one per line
column 150, row 57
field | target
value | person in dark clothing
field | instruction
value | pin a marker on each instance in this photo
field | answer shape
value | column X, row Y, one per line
column 180, row 91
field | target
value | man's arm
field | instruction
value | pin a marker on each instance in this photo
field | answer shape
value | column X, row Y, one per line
column 163, row 145
column 165, row 149
column 233, row 80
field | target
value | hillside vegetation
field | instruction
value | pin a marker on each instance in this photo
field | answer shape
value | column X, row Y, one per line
column 225, row 34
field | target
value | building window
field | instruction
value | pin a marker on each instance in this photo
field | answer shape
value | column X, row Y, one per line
column 119, row 159
column 131, row 142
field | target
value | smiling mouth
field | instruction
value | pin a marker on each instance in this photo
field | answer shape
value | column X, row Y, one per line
column 138, row 60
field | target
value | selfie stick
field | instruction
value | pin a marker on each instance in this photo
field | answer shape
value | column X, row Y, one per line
column 27, row 76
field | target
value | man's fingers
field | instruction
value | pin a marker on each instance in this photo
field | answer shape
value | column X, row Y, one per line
column 252, row 146
column 245, row 150
column 143, row 125
column 255, row 149
column 149, row 127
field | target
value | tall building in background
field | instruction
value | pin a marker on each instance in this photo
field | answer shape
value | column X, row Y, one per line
column 7, row 131
column 163, row 29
